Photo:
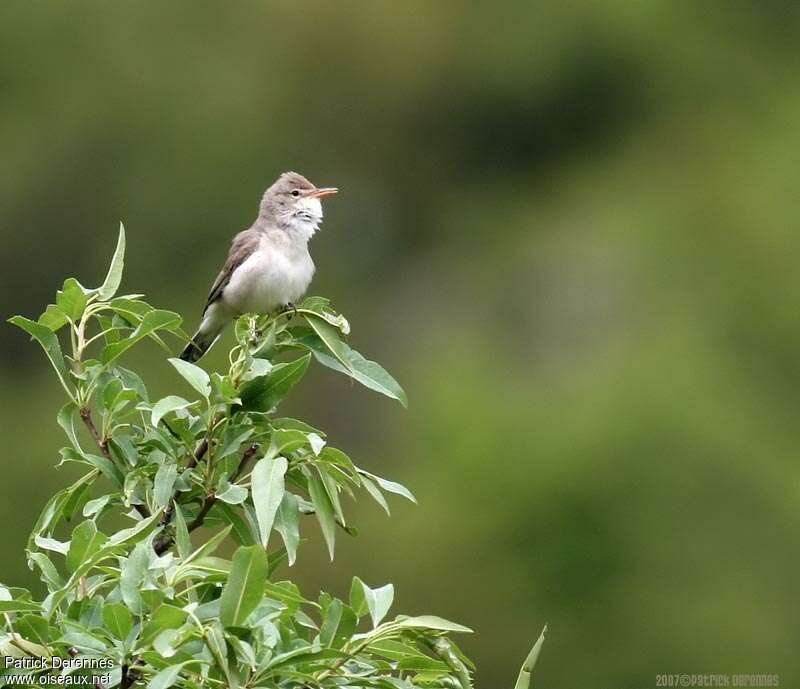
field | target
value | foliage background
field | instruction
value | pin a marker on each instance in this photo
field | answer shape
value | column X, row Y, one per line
column 568, row 228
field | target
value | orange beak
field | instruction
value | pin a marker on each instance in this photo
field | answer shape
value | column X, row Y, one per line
column 322, row 191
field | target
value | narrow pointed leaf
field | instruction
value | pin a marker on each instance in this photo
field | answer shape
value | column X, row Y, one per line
column 390, row 486
column 324, row 511
column 432, row 622
column 329, row 337
column 375, row 492
column 287, row 524
column 49, row 342
column 245, row 586
column 114, row 276
column 526, row 671
column 182, row 540
column 163, row 484
column 165, row 406
column 19, row 606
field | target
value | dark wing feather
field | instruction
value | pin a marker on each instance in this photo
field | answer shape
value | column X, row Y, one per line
column 244, row 244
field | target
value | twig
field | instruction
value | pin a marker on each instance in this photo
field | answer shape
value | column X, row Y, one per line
column 129, row 674
column 102, row 443
column 249, row 453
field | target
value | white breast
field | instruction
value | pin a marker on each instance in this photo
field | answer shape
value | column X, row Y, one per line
column 278, row 273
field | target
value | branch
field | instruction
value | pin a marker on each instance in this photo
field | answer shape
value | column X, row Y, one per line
column 102, row 444
column 130, row 674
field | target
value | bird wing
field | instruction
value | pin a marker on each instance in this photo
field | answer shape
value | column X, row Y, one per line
column 243, row 245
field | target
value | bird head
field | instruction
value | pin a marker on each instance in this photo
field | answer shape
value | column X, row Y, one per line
column 293, row 203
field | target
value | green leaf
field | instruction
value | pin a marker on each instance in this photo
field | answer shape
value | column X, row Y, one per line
column 194, row 375
column 166, row 405
column 54, row 510
column 263, row 393
column 209, row 546
column 329, row 337
column 378, row 601
column 182, row 540
column 106, row 466
column 154, row 320
column 50, row 574
column 287, row 523
column 283, row 442
column 375, row 492
column 215, row 640
column 232, row 441
column 166, row 641
column 369, row 373
column 394, row 650
column 166, row 616
column 390, row 486
column 52, row 544
column 163, row 484
column 49, row 342
column 117, row 620
column 339, row 624
column 114, row 277
column 231, row 493
column 422, row 664
column 332, row 489
column 358, row 601
column 135, row 533
column 66, row 419
column 166, row 678
column 76, row 500
column 86, row 541
column 33, row 628
column 19, row 606
column 93, row 508
column 239, row 528
column 132, row 574
column 130, row 310
column 324, row 510
column 267, row 489
column 431, row 622
column 526, row 671
column 72, row 299
column 245, row 586
column 53, row 318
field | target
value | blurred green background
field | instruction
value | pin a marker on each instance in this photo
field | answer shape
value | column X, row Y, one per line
column 571, row 231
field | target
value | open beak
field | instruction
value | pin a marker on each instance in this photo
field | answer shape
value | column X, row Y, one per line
column 322, row 191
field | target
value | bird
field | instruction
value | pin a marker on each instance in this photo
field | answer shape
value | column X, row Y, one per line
column 268, row 265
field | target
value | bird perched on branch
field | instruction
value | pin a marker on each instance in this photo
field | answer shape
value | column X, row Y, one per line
column 268, row 265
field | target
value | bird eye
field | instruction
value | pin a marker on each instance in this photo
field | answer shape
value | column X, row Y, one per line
column 295, row 192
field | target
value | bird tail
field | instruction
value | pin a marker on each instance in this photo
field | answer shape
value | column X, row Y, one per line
column 207, row 334
column 199, row 344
